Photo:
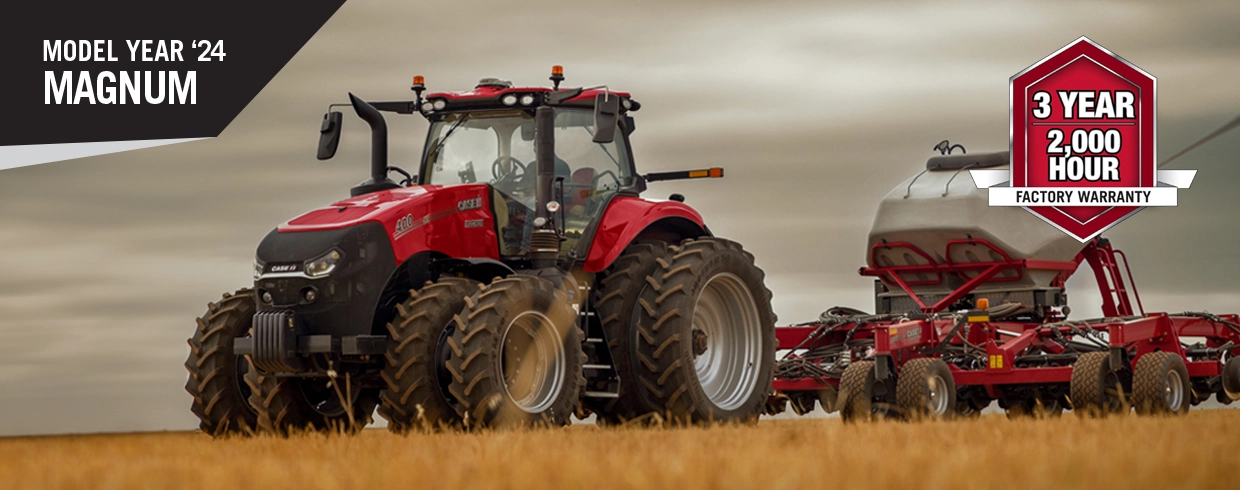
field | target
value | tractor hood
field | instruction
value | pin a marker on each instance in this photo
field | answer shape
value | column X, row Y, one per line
column 455, row 219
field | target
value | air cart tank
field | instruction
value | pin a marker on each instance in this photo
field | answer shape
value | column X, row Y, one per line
column 941, row 206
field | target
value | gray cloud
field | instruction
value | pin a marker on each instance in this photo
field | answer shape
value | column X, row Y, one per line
column 817, row 109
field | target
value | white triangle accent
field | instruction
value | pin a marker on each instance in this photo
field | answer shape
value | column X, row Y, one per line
column 25, row 155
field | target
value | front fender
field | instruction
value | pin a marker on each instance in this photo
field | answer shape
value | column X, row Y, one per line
column 628, row 219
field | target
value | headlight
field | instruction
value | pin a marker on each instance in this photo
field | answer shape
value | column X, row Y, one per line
column 258, row 269
column 527, row 99
column 324, row 265
column 509, row 99
column 440, row 104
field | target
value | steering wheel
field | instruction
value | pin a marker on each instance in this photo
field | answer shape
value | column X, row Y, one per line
column 408, row 178
column 515, row 172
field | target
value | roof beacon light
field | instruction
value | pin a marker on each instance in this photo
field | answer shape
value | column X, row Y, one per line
column 417, row 87
column 557, row 76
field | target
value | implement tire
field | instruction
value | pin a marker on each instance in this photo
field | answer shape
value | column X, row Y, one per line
column 415, row 371
column 857, row 392
column 615, row 303
column 926, row 390
column 1160, row 385
column 516, row 358
column 706, row 346
column 216, row 376
column 1096, row 389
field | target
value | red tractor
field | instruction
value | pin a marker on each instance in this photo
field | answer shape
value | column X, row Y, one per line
column 518, row 278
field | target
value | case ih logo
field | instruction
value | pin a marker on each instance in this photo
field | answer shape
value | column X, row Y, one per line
column 1083, row 155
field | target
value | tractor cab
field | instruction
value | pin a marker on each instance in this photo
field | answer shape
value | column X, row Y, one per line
column 494, row 145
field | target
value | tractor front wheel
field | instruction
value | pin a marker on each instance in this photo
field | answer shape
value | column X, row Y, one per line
column 287, row 405
column 216, row 375
column 415, row 364
column 706, row 335
column 515, row 357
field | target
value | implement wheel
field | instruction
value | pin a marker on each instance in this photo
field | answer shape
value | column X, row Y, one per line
column 216, row 376
column 1097, row 389
column 856, row 398
column 415, row 370
column 615, row 303
column 926, row 390
column 706, row 347
column 516, row 356
column 1160, row 385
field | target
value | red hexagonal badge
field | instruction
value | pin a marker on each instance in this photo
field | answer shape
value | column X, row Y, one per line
column 1082, row 141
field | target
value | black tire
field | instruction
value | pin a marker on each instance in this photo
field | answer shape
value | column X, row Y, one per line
column 706, row 284
column 926, row 390
column 1160, row 385
column 856, row 397
column 216, row 376
column 615, row 303
column 416, row 394
column 288, row 405
column 480, row 356
column 1096, row 389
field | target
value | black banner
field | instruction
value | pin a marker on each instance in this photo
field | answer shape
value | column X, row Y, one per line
column 121, row 71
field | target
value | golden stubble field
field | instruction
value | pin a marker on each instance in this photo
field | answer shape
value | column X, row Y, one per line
column 1197, row 451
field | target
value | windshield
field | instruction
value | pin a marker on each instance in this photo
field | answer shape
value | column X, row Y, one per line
column 497, row 148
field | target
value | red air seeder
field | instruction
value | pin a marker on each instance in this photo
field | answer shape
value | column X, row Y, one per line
column 942, row 363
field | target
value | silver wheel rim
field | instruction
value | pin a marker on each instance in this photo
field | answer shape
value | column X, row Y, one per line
column 727, row 314
column 1174, row 392
column 532, row 362
column 937, row 394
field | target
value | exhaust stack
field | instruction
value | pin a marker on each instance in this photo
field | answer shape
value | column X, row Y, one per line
column 378, row 149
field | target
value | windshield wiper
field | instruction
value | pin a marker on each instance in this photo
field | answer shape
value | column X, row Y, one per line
column 447, row 135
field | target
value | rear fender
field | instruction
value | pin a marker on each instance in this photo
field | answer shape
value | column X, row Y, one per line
column 629, row 219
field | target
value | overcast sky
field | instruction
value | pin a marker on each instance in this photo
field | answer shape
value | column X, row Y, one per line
column 816, row 109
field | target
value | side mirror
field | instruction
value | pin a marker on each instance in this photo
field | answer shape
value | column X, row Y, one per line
column 329, row 135
column 606, row 113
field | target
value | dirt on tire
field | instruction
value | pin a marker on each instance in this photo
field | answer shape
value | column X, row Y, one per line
column 215, row 374
column 416, row 395
column 667, row 339
column 615, row 303
column 477, row 363
column 283, row 408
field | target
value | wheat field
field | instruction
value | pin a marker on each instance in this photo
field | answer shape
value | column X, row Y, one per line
column 1196, row 451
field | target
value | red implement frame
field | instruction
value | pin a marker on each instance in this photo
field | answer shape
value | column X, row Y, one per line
column 1126, row 331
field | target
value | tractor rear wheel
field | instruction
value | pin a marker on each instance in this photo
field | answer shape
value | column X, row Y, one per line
column 706, row 344
column 287, row 405
column 1096, row 388
column 926, row 390
column 857, row 392
column 516, row 357
column 216, row 376
column 415, row 370
column 1160, row 385
column 615, row 303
